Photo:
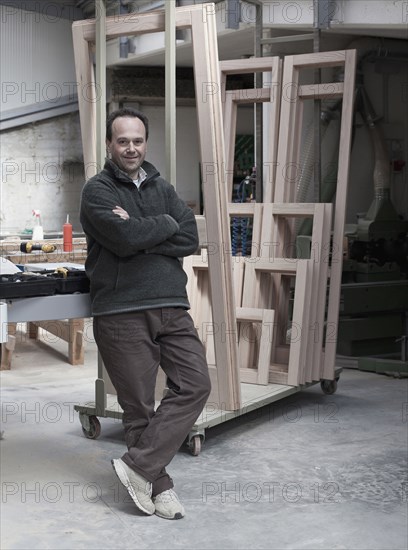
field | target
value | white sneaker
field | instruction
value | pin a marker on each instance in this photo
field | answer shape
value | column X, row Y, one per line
column 168, row 505
column 137, row 486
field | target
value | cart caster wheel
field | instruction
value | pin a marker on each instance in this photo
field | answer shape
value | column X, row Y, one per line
column 94, row 430
column 329, row 386
column 195, row 445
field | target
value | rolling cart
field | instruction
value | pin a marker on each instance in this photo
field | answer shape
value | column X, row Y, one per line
column 253, row 397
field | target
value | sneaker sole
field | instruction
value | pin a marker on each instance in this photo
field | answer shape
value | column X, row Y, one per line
column 122, row 475
column 178, row 515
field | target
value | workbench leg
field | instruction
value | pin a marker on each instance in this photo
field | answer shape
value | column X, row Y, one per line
column 76, row 342
column 8, row 347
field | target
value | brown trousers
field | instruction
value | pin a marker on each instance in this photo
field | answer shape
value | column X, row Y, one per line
column 132, row 346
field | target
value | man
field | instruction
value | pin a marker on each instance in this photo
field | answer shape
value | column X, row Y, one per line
column 137, row 228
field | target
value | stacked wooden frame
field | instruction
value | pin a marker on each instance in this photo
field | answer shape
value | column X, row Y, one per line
column 263, row 281
column 240, row 305
column 288, row 159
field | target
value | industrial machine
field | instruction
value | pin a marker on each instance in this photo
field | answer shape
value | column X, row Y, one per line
column 373, row 322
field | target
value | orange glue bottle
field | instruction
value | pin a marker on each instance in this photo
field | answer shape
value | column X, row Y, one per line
column 67, row 236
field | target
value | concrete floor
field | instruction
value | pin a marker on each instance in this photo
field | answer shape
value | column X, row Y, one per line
column 309, row 472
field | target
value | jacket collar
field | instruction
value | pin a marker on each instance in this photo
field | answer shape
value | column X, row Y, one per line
column 121, row 176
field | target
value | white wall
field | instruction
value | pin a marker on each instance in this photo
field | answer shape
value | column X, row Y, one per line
column 41, row 168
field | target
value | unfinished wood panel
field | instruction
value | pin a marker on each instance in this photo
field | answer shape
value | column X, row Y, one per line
column 287, row 131
column 298, row 341
column 318, row 332
column 196, row 268
column 256, row 372
column 85, row 77
column 316, row 279
column 321, row 60
column 233, row 98
column 328, row 90
column 339, row 215
column 293, row 372
column 259, row 373
column 209, row 113
column 290, row 127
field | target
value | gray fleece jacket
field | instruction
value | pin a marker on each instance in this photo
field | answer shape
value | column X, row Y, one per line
column 134, row 264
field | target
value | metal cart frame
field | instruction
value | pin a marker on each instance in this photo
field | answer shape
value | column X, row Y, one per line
column 253, row 397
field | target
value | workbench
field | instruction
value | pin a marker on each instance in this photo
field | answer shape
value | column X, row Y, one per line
column 46, row 308
column 72, row 330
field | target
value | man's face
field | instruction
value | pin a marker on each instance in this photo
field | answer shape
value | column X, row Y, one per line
column 128, row 146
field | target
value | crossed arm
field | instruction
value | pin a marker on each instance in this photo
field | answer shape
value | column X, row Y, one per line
column 172, row 234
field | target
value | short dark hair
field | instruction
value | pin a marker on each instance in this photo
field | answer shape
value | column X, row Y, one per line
column 125, row 112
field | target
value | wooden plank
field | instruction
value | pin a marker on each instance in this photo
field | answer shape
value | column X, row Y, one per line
column 247, row 332
column 299, row 322
column 265, row 346
column 277, row 377
column 100, row 83
column 286, row 266
column 248, row 376
column 339, row 215
column 285, row 155
column 242, row 209
column 170, row 91
column 8, row 347
column 308, row 313
column 321, row 294
column 85, row 80
column 272, row 116
column 137, row 23
column 215, row 200
column 251, row 314
column 321, row 60
column 328, row 90
column 317, row 286
column 293, row 210
column 238, row 271
column 256, row 244
column 248, row 95
column 202, row 230
column 230, row 125
column 246, row 66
